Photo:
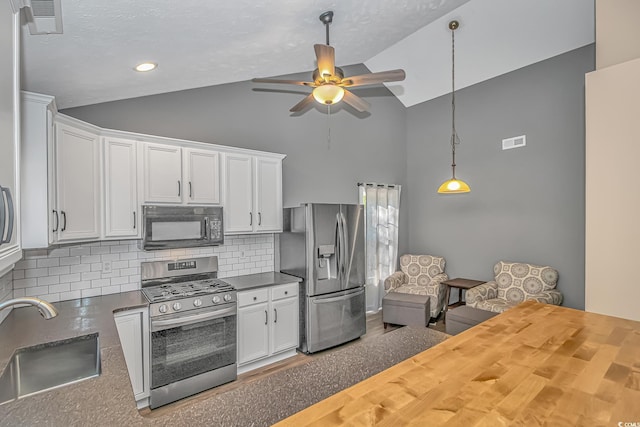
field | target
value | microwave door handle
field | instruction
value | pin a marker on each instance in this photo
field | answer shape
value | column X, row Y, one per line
column 2, row 215
column 11, row 214
column 207, row 229
column 161, row 325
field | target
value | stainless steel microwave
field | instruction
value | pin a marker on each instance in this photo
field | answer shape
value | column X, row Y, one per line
column 170, row 227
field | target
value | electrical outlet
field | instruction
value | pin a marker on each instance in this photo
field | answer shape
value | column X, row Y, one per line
column 106, row 267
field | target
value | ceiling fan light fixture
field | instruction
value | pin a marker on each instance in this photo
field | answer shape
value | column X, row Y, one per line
column 328, row 94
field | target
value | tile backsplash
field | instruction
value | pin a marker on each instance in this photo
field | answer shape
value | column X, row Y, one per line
column 6, row 292
column 108, row 267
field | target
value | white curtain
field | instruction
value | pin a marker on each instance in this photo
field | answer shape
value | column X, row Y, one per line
column 382, row 203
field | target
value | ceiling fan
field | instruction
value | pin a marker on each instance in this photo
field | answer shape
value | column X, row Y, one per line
column 329, row 83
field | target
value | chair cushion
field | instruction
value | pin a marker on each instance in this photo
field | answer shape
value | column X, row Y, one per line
column 495, row 305
column 517, row 281
column 420, row 269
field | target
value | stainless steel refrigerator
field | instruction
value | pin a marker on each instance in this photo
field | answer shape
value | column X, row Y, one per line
column 324, row 245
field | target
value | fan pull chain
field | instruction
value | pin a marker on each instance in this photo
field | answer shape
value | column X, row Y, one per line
column 329, row 127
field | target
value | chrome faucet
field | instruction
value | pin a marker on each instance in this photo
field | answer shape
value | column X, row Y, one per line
column 45, row 308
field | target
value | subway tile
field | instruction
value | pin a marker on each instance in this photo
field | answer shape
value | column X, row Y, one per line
column 109, row 242
column 37, row 290
column 91, row 275
column 129, row 287
column 129, row 271
column 18, row 274
column 48, row 262
column 64, row 287
column 76, row 286
column 70, row 260
column 79, row 250
column 17, row 293
column 36, row 254
column 99, row 283
column 110, row 257
column 88, row 259
column 36, row 272
column 50, row 297
column 48, row 280
column 25, row 264
column 100, row 250
column 68, row 278
column 81, row 268
column 119, row 249
column 25, row 283
column 66, row 296
column 119, row 264
column 59, row 270
column 96, row 266
column 58, row 252
column 119, row 281
column 128, row 256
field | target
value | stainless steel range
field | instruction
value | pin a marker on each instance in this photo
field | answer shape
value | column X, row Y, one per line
column 193, row 327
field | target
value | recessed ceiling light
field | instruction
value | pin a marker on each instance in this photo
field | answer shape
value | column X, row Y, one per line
column 146, row 66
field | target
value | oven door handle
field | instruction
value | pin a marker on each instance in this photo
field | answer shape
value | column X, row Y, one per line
column 161, row 325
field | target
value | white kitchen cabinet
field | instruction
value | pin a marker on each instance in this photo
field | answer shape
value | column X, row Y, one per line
column 121, row 216
column 177, row 175
column 77, row 184
column 133, row 330
column 267, row 325
column 10, row 249
column 253, row 194
column 201, row 171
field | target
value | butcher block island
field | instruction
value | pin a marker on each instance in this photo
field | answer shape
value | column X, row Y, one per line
column 532, row 365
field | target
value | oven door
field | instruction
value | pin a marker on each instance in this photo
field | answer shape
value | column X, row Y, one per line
column 189, row 344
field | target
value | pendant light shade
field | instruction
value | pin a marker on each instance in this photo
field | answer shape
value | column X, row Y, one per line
column 453, row 185
column 328, row 94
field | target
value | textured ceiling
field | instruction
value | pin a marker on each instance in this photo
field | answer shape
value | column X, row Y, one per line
column 208, row 43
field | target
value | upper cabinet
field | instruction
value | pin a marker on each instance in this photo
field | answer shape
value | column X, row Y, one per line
column 253, row 194
column 120, row 188
column 10, row 249
column 77, row 184
column 177, row 175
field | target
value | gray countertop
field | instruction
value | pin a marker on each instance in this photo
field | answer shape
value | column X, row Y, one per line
column 259, row 280
column 106, row 400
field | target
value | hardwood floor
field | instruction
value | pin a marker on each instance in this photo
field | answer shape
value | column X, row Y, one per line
column 375, row 328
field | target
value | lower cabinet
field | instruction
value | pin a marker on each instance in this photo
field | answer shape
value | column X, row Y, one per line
column 133, row 330
column 267, row 325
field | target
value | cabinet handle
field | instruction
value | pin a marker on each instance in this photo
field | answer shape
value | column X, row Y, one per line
column 286, row 292
column 266, row 317
column 134, row 220
column 64, row 220
column 250, row 218
column 275, row 311
column 255, row 298
column 179, row 188
column 10, row 215
column 259, row 218
column 189, row 189
column 57, row 221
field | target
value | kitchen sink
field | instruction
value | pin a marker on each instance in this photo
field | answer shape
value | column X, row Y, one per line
column 47, row 366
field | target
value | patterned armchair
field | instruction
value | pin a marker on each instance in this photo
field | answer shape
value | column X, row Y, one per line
column 421, row 275
column 514, row 283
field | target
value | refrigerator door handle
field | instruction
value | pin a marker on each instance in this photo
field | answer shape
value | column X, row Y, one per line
column 340, row 298
column 2, row 214
column 339, row 249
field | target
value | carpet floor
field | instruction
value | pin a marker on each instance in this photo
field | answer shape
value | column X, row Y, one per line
column 271, row 399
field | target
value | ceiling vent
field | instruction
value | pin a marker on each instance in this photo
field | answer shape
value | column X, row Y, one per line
column 44, row 16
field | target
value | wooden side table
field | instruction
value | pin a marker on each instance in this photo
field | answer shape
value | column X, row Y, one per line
column 460, row 284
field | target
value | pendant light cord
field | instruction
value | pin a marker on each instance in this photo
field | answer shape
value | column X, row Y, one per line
column 454, row 135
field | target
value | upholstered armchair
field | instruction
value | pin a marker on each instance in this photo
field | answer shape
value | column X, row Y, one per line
column 514, row 283
column 420, row 275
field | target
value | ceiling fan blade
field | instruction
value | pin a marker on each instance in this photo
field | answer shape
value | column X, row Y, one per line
column 356, row 102
column 285, row 82
column 374, row 78
column 326, row 56
column 302, row 104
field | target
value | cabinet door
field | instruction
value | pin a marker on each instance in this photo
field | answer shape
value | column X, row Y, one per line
column 162, row 174
column 133, row 331
column 253, row 332
column 120, row 184
column 77, row 183
column 202, row 176
column 284, row 325
column 268, row 194
column 238, row 194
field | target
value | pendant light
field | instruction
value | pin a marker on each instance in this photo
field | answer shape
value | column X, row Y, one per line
column 453, row 185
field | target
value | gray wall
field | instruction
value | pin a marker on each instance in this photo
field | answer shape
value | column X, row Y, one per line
column 526, row 204
column 363, row 147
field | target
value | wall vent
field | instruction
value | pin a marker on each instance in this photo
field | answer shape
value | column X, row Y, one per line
column 515, row 142
column 44, row 16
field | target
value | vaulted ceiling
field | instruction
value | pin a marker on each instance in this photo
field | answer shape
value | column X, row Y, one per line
column 200, row 43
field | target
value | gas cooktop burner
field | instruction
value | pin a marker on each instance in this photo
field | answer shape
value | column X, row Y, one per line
column 171, row 291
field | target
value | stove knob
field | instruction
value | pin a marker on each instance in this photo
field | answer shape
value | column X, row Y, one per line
column 227, row 297
column 177, row 306
column 197, row 302
column 216, row 299
column 162, row 308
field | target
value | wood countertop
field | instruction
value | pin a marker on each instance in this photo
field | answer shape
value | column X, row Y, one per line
column 534, row 364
